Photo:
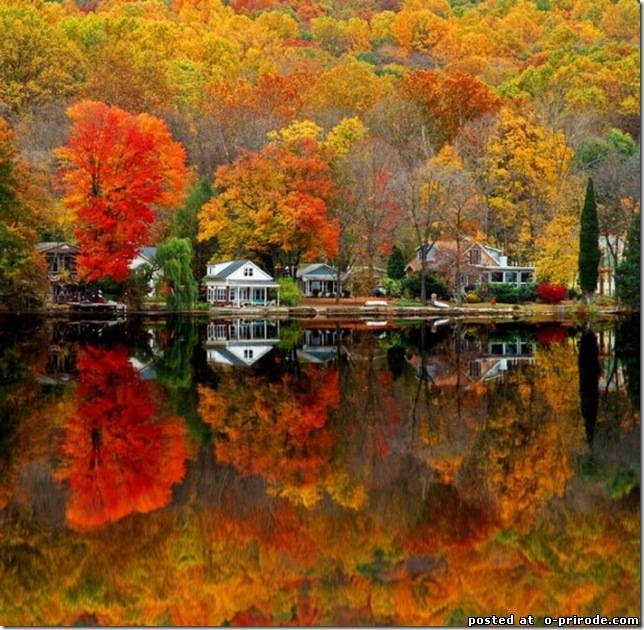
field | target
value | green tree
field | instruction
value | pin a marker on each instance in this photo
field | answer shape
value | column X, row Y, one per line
column 185, row 225
column 396, row 264
column 627, row 280
column 589, row 253
column 177, row 282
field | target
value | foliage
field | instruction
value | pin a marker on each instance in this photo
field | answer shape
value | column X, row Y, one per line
column 290, row 294
column 589, row 253
column 448, row 101
column 22, row 271
column 177, row 282
column 273, row 205
column 38, row 64
column 551, row 293
column 628, row 274
column 526, row 173
column 116, row 168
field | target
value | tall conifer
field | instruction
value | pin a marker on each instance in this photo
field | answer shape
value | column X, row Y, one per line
column 589, row 253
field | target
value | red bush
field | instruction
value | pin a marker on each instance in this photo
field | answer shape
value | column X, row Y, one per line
column 551, row 293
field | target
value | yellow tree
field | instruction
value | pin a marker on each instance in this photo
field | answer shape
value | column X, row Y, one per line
column 525, row 176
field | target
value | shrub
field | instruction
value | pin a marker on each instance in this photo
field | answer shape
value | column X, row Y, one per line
column 411, row 286
column 392, row 286
column 509, row 293
column 551, row 293
column 472, row 297
column 290, row 294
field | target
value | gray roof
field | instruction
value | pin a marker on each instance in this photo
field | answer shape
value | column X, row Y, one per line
column 147, row 252
column 318, row 270
column 56, row 245
column 231, row 267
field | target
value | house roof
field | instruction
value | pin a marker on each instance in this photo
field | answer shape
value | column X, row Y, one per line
column 57, row 246
column 147, row 252
column 225, row 269
column 317, row 270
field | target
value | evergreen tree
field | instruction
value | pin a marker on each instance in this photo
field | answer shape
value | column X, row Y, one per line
column 396, row 264
column 627, row 277
column 589, row 253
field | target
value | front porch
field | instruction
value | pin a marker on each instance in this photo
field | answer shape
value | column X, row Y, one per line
column 243, row 295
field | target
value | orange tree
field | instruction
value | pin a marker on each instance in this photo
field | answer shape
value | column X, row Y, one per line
column 274, row 205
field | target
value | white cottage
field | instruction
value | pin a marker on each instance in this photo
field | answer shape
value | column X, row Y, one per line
column 238, row 283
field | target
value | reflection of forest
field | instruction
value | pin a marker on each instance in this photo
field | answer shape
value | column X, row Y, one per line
column 344, row 487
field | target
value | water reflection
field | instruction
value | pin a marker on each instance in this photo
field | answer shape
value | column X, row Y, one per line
column 119, row 452
column 157, row 473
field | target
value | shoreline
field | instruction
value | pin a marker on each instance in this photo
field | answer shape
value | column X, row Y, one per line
column 361, row 309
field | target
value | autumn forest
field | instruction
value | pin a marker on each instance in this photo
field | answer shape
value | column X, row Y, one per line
column 288, row 132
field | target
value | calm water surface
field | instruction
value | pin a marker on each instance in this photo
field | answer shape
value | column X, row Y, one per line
column 279, row 473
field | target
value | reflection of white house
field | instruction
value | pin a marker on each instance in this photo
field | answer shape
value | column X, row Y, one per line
column 498, row 356
column 240, row 342
column 317, row 279
column 238, row 283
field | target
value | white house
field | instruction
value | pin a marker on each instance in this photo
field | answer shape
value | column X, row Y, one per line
column 238, row 283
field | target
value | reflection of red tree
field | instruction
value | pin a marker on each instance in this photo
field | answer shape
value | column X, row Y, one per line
column 551, row 333
column 117, row 458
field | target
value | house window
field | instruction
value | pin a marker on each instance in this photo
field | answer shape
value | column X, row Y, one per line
column 496, row 276
column 248, row 353
column 526, row 276
column 248, row 271
column 475, row 256
column 216, row 294
column 511, row 276
column 53, row 263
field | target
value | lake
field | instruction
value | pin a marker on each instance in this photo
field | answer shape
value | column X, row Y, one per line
column 304, row 473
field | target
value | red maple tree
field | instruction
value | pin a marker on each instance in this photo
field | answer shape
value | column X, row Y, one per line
column 116, row 169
